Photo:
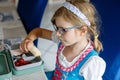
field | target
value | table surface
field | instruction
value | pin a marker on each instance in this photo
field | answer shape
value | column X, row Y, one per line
column 40, row 75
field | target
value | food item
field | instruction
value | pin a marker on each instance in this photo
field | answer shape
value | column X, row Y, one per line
column 35, row 51
column 21, row 62
column 17, row 64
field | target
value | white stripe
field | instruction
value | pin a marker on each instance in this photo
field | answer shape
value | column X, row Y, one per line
column 77, row 12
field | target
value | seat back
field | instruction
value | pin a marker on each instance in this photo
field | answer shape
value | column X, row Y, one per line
column 110, row 36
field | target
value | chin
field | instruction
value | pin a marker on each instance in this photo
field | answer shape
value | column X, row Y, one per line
column 65, row 44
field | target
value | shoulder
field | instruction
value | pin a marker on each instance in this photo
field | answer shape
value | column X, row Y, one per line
column 95, row 66
column 94, row 60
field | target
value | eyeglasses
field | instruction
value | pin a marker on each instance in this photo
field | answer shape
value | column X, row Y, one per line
column 63, row 30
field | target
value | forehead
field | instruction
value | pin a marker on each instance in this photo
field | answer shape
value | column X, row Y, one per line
column 61, row 22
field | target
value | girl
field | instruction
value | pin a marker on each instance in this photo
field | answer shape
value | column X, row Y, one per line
column 76, row 29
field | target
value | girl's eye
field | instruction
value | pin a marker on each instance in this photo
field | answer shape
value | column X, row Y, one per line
column 63, row 30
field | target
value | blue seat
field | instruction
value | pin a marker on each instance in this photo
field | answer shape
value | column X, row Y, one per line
column 110, row 15
column 31, row 12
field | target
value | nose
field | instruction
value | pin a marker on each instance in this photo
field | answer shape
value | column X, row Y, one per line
column 58, row 34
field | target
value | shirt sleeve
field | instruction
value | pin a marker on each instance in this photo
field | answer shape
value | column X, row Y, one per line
column 93, row 69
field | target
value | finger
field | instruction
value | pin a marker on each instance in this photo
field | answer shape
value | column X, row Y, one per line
column 23, row 47
column 26, row 46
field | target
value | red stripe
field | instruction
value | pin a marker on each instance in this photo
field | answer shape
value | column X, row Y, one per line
column 77, row 62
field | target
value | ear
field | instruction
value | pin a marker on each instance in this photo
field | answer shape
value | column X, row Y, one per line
column 83, row 30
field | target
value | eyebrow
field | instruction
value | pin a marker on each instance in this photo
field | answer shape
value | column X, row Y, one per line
column 72, row 27
column 59, row 26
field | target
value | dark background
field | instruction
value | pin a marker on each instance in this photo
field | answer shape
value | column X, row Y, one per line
column 110, row 36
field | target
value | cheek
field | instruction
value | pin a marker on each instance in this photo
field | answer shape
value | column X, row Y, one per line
column 70, row 38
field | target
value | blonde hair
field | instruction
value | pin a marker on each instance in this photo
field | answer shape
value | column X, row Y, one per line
column 89, row 11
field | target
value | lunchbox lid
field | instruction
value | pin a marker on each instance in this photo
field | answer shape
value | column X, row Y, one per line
column 4, row 68
column 5, row 71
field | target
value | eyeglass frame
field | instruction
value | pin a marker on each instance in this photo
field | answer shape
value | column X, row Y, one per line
column 63, row 30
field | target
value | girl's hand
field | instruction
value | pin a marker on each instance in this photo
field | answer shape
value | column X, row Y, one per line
column 26, row 45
